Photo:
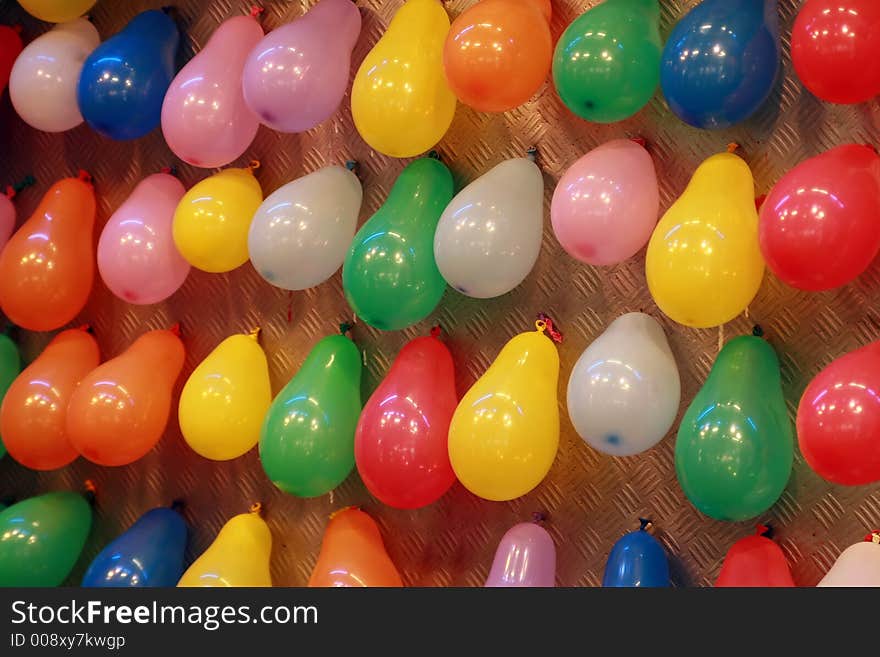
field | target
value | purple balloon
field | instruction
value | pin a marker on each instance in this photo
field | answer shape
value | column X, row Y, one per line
column 526, row 556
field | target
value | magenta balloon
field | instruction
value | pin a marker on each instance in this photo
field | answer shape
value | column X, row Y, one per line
column 297, row 75
column 606, row 205
column 526, row 556
column 204, row 117
column 7, row 219
column 136, row 254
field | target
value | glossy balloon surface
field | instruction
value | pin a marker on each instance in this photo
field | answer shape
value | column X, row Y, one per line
column 56, row 11
column 754, row 561
column 857, row 566
column 526, row 557
column 637, row 560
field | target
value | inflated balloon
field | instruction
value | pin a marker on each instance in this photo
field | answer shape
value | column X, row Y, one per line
column 42, row 537
column 137, row 258
column 307, row 437
column 834, row 46
column 505, row 431
column 297, row 75
column 300, row 234
column 56, row 11
column 43, row 82
column 526, row 557
column 733, row 452
column 34, row 412
column 818, row 227
column 858, row 565
column 150, row 553
column 353, row 554
column 606, row 204
column 225, row 399
column 119, row 410
column 607, row 62
column 489, row 236
column 10, row 366
column 637, row 560
column 497, row 53
column 212, row 220
column 704, row 264
column 47, row 268
column 400, row 100
column 10, row 50
column 401, row 442
column 390, row 276
column 755, row 561
column 123, row 82
column 624, row 390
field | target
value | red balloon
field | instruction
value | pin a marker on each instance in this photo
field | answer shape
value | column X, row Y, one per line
column 838, row 419
column 835, row 48
column 10, row 49
column 819, row 227
column 755, row 561
column 401, row 442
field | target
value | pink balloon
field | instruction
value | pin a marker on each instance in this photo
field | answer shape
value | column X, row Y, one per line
column 7, row 219
column 526, row 556
column 204, row 117
column 136, row 254
column 606, row 205
column 297, row 75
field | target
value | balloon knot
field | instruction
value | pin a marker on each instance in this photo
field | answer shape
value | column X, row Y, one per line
column 641, row 141
column 85, row 176
column 87, row 328
column 351, row 165
column 256, row 10
column 545, row 323
column 434, row 155
column 178, row 505
column 167, row 9
column 255, row 333
column 91, row 491
column 764, row 530
column 757, row 331
column 645, row 524
column 873, row 537
column 10, row 192
column 344, row 328
column 538, row 517
column 27, row 181
column 171, row 171
column 732, row 146
column 175, row 329
column 436, row 331
column 256, row 507
column 532, row 153
column 253, row 165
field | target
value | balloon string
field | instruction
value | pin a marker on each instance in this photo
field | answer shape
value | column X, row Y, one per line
column 435, row 331
column 544, row 323
column 732, row 146
column 720, row 337
column 27, row 181
column 256, row 10
column 873, row 537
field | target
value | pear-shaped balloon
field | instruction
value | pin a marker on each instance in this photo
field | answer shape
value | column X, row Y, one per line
column 704, row 264
column 637, row 560
column 526, row 557
column 225, row 399
column 56, row 11
column 307, row 438
column 755, row 561
column 390, row 276
column 489, row 236
column 858, row 565
column 42, row 537
column 10, row 366
column 505, row 431
column 733, row 453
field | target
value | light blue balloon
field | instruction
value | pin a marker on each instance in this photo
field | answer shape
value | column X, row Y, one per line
column 637, row 560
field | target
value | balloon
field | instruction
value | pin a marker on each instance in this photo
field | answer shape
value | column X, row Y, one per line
column 834, row 46
column 389, row 276
column 755, row 561
column 401, row 446
column 353, row 554
column 120, row 409
column 43, row 82
column 606, row 65
column 637, row 560
column 300, row 234
column 47, row 268
column 720, row 62
column 296, row 76
column 225, row 399
column 525, row 557
column 148, row 554
column 497, row 53
column 858, row 565
column 56, row 11
column 307, row 438
column 606, row 204
column 34, row 411
column 42, row 537
column 123, row 82
column 400, row 100
column 818, row 226
column 703, row 264
column 10, row 50
column 211, row 222
column 489, row 236
column 624, row 390
column 137, row 258
column 733, row 453
column 10, row 366
column 239, row 556
column 505, row 431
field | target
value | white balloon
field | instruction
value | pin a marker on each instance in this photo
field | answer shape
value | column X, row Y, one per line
column 301, row 233
column 857, row 565
column 489, row 236
column 42, row 84
column 624, row 390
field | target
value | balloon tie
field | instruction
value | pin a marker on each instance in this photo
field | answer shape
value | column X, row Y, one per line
column 167, row 9
column 873, row 537
column 544, row 323
column 532, row 153
column 256, row 10
column 539, row 517
column 434, row 155
column 27, row 181
column 171, row 171
column 253, row 165
column 645, row 524
column 757, row 331
column 764, row 530
column 759, row 201
column 85, row 176
column 91, row 491
column 641, row 141
column 344, row 328
column 175, row 330
column 732, row 146
column 178, row 505
column 255, row 333
column 435, row 331
column 352, row 166
column 256, row 507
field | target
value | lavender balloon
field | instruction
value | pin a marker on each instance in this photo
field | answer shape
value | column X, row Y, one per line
column 526, row 556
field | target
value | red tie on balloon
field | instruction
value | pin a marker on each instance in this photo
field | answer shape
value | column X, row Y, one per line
column 554, row 333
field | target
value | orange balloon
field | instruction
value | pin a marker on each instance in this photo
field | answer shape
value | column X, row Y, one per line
column 33, row 414
column 46, row 269
column 119, row 411
column 498, row 52
column 353, row 554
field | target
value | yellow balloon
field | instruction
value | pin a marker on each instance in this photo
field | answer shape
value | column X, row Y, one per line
column 211, row 221
column 56, row 11
column 239, row 556
column 505, row 431
column 400, row 101
column 225, row 399
column 704, row 264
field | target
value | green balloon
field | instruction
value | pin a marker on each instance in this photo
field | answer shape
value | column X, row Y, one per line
column 734, row 449
column 307, row 439
column 10, row 367
column 606, row 66
column 42, row 537
column 390, row 276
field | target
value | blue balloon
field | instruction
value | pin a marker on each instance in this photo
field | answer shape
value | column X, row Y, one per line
column 720, row 62
column 637, row 559
column 123, row 82
column 149, row 553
